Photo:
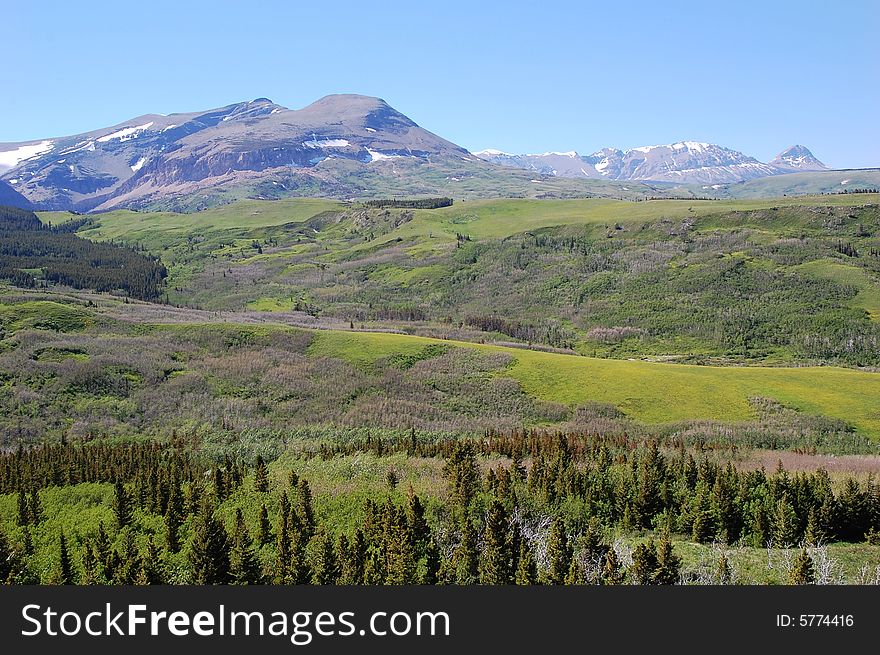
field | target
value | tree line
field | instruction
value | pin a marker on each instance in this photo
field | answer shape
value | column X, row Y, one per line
column 414, row 203
column 547, row 515
column 32, row 253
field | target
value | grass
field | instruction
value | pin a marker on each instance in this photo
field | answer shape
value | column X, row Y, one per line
column 485, row 219
column 868, row 297
column 42, row 314
column 154, row 227
column 646, row 391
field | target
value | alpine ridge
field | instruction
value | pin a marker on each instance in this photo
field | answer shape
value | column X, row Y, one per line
column 686, row 162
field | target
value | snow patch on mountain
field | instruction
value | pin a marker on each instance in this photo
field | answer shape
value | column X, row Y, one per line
column 326, row 143
column 12, row 158
column 125, row 133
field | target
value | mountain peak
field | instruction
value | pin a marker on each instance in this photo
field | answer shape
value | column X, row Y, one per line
column 797, row 158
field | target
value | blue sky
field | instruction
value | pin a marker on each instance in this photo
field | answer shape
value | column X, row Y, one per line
column 522, row 77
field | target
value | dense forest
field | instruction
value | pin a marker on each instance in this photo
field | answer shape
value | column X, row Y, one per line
column 403, row 203
column 551, row 510
column 31, row 252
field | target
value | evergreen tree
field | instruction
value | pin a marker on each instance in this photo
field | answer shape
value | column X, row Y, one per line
column 23, row 515
column 497, row 556
column 35, row 508
column 802, row 572
column 526, row 569
column 173, row 520
column 264, row 536
column 152, row 571
column 65, row 573
column 27, row 541
column 612, row 570
column 558, row 554
column 90, row 575
column 418, row 526
column 576, row 574
column 353, row 565
column 220, row 487
column 668, row 564
column 400, row 559
column 462, row 473
column 244, row 567
column 261, row 476
column 121, row 506
column 785, row 533
column 326, row 568
column 304, row 508
column 723, row 572
column 129, row 561
column 284, row 545
column 466, row 555
column 431, row 573
column 208, row 555
column 644, row 563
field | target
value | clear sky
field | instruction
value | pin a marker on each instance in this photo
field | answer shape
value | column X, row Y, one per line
column 519, row 76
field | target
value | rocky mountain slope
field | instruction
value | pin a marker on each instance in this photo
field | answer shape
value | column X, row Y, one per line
column 688, row 162
column 156, row 156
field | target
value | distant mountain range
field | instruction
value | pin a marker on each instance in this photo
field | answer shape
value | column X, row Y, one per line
column 686, row 162
column 341, row 146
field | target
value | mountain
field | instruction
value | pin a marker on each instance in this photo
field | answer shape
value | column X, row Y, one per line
column 156, row 156
column 687, row 162
column 9, row 197
column 796, row 159
column 341, row 146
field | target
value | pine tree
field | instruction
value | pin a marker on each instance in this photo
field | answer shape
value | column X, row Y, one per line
column 173, row 520
column 220, row 490
column 400, row 558
column 785, row 532
column 244, row 567
column 431, row 573
column 264, row 536
column 353, row 565
column 106, row 564
column 612, row 571
column 802, row 572
column 418, row 526
column 723, row 573
column 130, row 561
column 497, row 557
column 121, row 506
column 209, row 549
column 326, row 568
column 576, row 574
column 35, row 508
column 27, row 541
column 283, row 546
column 644, row 563
column 152, row 571
column 466, row 557
column 23, row 516
column 462, row 473
column 300, row 571
column 668, row 564
column 261, row 476
column 526, row 569
column 90, row 575
column 558, row 554
column 304, row 508
column 65, row 566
